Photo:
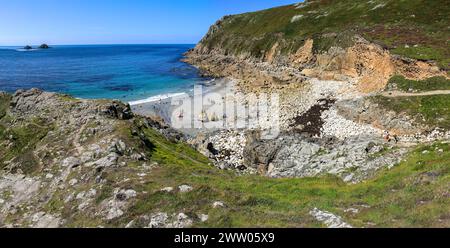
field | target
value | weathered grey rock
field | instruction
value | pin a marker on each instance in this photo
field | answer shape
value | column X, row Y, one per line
column 218, row 204
column 167, row 189
column 181, row 221
column 124, row 195
column 108, row 161
column 114, row 212
column 71, row 162
column 73, row 181
column 44, row 220
column 158, row 220
column 329, row 219
column 185, row 188
column 354, row 159
column 130, row 224
column 117, row 110
column 203, row 217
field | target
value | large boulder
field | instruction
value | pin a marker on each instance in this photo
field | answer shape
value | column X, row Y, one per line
column 118, row 110
column 259, row 153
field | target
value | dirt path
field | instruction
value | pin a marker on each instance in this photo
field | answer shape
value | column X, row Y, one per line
column 426, row 93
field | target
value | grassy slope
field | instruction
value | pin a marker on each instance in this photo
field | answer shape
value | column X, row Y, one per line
column 396, row 24
column 415, row 193
column 4, row 104
column 403, row 84
column 430, row 110
column 23, row 138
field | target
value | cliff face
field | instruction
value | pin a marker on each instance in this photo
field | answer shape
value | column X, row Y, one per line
column 366, row 40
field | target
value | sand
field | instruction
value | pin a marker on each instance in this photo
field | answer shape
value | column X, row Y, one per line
column 177, row 109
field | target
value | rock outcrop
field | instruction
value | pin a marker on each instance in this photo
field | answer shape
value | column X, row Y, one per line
column 283, row 45
column 368, row 63
column 65, row 159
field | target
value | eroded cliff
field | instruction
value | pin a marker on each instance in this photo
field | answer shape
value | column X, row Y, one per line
column 369, row 41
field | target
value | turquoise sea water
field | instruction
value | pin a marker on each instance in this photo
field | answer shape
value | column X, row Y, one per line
column 124, row 72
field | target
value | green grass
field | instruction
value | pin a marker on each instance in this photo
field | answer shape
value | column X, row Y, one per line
column 23, row 139
column 412, row 194
column 422, row 25
column 430, row 110
column 403, row 84
column 422, row 53
column 4, row 104
column 397, row 197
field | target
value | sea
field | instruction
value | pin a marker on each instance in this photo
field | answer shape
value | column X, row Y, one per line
column 130, row 73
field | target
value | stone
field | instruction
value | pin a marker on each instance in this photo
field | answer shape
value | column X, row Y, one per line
column 44, row 220
column 118, row 110
column 182, row 221
column 83, row 205
column 108, row 161
column 71, row 162
column 329, row 219
column 114, row 212
column 73, row 181
column 80, row 195
column 167, row 189
column 130, row 224
column 91, row 193
column 352, row 210
column 124, row 195
column 218, row 204
column 203, row 217
column 158, row 220
column 185, row 188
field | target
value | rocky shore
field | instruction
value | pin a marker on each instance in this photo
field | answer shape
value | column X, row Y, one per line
column 325, row 127
column 319, row 135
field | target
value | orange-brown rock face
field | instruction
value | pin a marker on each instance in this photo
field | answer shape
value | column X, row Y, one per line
column 367, row 63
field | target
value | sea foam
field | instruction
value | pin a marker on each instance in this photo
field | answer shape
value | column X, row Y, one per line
column 157, row 98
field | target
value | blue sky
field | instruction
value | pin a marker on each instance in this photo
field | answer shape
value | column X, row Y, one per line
column 116, row 21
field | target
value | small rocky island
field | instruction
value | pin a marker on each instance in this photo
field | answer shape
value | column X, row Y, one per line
column 44, row 46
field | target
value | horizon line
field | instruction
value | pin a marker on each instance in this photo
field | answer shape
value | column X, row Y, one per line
column 97, row 44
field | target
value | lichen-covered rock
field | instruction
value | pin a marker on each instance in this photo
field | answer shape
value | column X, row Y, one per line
column 329, row 219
